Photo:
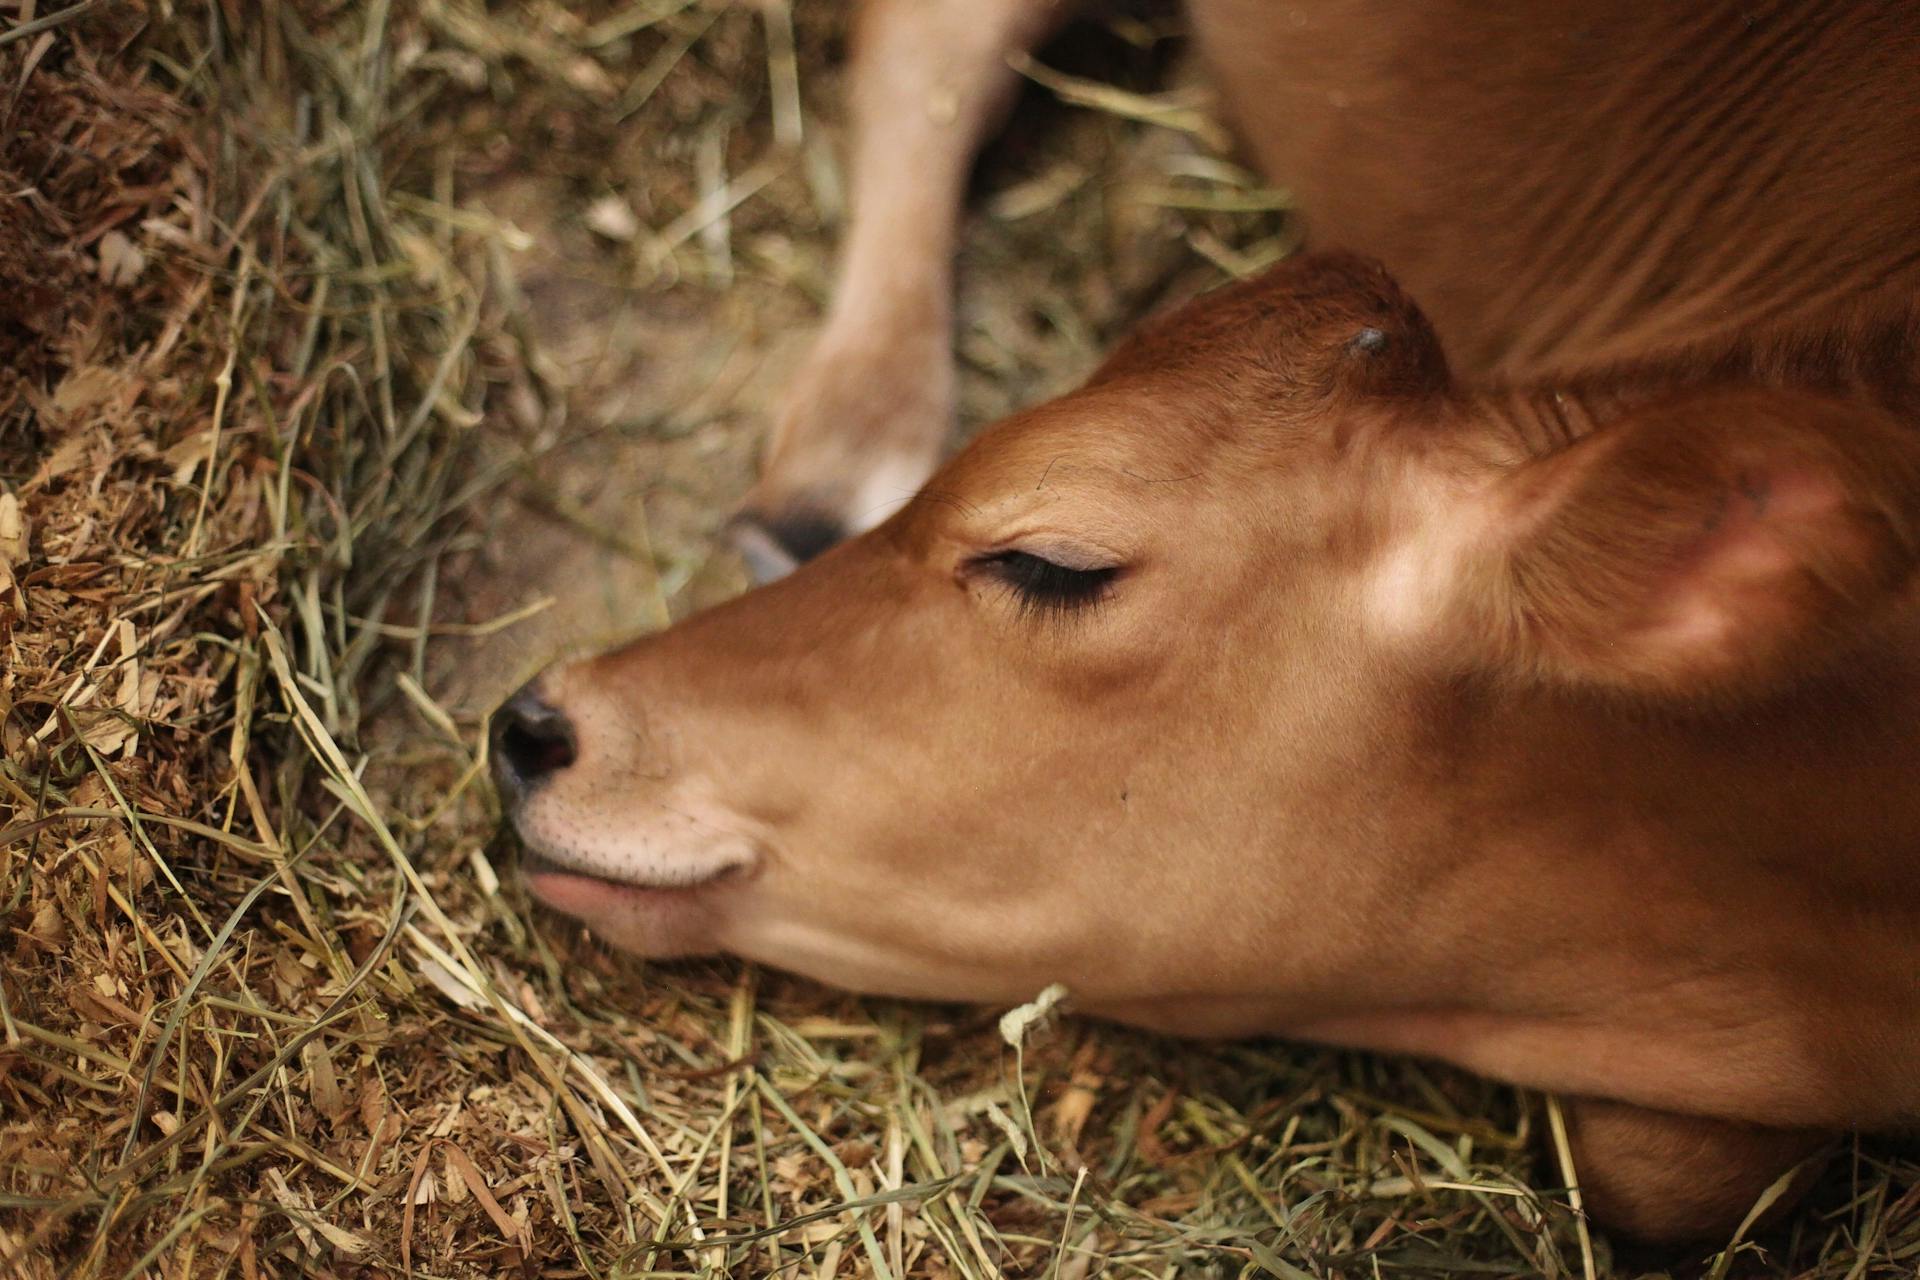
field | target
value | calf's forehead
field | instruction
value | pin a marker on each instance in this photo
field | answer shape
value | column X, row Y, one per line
column 1131, row 443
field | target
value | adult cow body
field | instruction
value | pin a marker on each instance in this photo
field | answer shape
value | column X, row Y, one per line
column 1530, row 678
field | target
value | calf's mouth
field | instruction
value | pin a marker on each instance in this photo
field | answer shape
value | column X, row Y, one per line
column 559, row 884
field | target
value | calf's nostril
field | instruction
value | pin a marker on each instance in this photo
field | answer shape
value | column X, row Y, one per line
column 531, row 740
column 535, row 750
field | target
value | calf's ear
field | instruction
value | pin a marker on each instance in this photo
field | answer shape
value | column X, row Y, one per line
column 1718, row 544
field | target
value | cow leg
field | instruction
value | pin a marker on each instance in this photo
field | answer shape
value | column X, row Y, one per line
column 1666, row 1178
column 862, row 424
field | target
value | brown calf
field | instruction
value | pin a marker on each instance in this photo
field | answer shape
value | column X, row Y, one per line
column 1558, row 715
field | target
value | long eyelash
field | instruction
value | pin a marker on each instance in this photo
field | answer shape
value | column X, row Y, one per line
column 1043, row 586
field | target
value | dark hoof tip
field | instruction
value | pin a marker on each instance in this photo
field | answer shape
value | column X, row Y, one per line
column 775, row 547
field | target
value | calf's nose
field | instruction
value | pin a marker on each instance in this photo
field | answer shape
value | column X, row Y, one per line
column 530, row 740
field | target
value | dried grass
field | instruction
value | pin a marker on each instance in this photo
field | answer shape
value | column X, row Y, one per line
column 272, row 389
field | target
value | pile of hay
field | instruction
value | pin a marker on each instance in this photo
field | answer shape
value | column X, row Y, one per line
column 303, row 327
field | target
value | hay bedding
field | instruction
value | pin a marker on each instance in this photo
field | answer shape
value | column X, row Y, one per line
column 319, row 322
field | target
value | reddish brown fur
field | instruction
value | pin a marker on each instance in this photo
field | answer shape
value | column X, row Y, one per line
column 1567, row 186
column 1654, row 498
column 1558, row 715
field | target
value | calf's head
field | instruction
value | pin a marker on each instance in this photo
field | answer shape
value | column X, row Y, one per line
column 1152, row 689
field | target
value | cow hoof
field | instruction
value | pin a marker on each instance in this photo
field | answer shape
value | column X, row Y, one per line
column 773, row 547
